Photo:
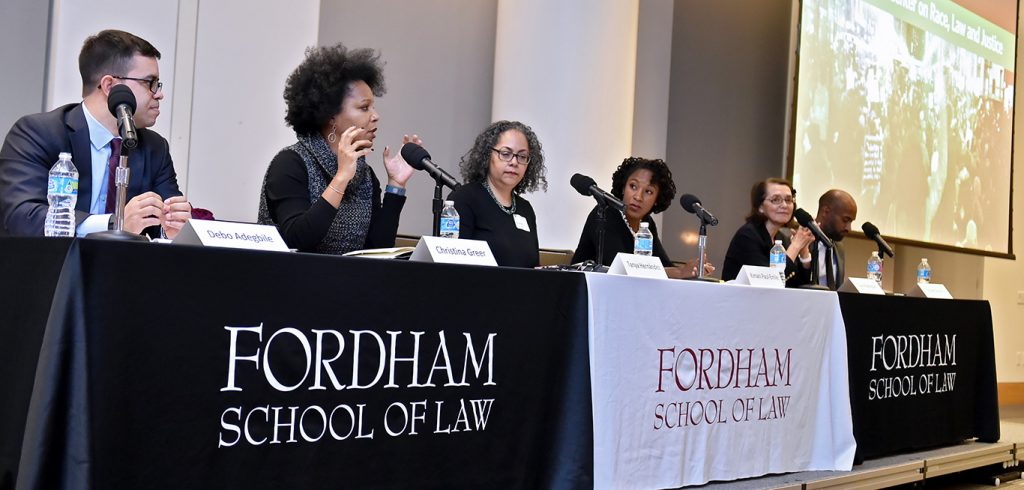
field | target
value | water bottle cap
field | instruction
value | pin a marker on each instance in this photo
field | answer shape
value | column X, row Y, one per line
column 874, row 254
column 643, row 224
column 924, row 260
column 64, row 156
column 449, row 203
column 778, row 242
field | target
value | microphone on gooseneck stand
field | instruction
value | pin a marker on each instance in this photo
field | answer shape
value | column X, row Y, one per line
column 121, row 104
column 693, row 205
column 586, row 186
column 805, row 220
column 419, row 159
column 871, row 231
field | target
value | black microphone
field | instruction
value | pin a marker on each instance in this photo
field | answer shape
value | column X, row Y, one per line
column 419, row 159
column 121, row 104
column 692, row 204
column 871, row 231
column 805, row 220
column 586, row 186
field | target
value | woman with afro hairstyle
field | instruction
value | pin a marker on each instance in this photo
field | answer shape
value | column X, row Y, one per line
column 320, row 192
column 505, row 161
column 645, row 187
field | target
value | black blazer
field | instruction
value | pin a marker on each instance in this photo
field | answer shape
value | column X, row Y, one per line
column 750, row 246
column 32, row 147
column 617, row 238
column 480, row 218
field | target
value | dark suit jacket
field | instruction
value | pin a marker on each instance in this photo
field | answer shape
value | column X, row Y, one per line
column 750, row 246
column 32, row 147
column 840, row 271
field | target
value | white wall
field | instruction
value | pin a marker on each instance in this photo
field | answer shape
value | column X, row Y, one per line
column 75, row 20
column 1004, row 279
column 567, row 70
column 23, row 45
column 242, row 56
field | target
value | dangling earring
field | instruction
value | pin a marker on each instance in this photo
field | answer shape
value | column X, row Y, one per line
column 334, row 133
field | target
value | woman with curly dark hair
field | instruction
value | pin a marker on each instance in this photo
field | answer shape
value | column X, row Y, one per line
column 645, row 187
column 320, row 192
column 772, row 203
column 505, row 161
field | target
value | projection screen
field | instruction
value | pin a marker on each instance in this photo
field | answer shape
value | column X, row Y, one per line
column 908, row 106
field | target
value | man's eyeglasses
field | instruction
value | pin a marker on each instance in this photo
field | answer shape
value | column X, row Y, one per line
column 155, row 85
column 506, row 155
column 777, row 200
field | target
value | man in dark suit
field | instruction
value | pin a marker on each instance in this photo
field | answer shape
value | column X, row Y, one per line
column 89, row 132
column 836, row 212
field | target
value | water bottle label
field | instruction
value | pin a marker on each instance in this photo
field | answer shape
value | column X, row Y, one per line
column 449, row 226
column 62, row 185
column 775, row 259
column 874, row 267
column 644, row 244
column 924, row 274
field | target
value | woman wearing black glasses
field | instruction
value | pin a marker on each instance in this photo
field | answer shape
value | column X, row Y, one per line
column 505, row 161
column 772, row 203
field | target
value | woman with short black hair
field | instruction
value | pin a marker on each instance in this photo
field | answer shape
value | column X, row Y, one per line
column 320, row 192
column 646, row 188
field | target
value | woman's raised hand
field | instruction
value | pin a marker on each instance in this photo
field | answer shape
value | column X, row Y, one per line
column 399, row 171
column 349, row 150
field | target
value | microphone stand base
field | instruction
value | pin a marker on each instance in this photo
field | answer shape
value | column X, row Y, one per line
column 119, row 235
column 816, row 287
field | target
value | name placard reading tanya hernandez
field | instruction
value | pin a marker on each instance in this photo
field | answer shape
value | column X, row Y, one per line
column 231, row 235
column 637, row 266
column 453, row 251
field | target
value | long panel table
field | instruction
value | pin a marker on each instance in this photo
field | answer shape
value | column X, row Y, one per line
column 182, row 367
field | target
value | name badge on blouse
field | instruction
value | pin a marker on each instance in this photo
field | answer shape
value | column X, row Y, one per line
column 521, row 223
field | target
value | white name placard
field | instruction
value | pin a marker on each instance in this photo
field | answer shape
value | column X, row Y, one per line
column 453, row 251
column 231, row 235
column 930, row 290
column 637, row 266
column 754, row 275
column 861, row 285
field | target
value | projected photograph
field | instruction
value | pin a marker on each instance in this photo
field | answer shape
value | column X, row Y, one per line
column 908, row 106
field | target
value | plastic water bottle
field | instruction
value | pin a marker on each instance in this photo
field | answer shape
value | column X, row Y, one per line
column 777, row 258
column 875, row 268
column 62, row 194
column 924, row 272
column 449, row 221
column 643, row 244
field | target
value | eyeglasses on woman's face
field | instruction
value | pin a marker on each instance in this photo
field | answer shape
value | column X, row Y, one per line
column 506, row 155
column 779, row 199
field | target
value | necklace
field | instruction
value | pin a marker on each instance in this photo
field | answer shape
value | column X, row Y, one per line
column 509, row 210
column 628, row 227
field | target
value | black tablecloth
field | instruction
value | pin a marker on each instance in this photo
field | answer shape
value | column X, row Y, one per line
column 183, row 367
column 922, row 372
column 29, row 270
